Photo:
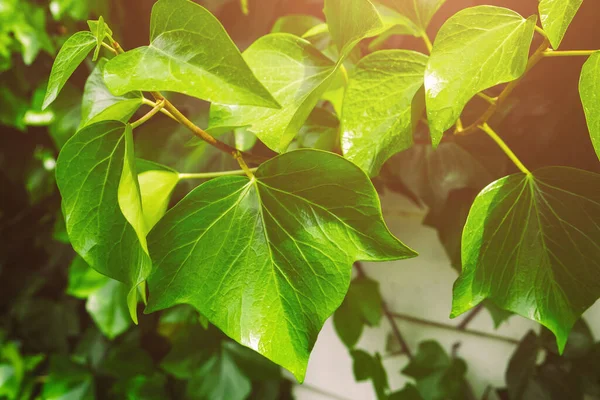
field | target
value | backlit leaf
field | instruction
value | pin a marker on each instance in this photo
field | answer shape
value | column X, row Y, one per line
column 295, row 24
column 71, row 54
column 108, row 308
column 556, row 16
column 531, row 245
column 191, row 53
column 589, row 90
column 475, row 49
column 268, row 260
column 418, row 11
column 157, row 183
column 377, row 117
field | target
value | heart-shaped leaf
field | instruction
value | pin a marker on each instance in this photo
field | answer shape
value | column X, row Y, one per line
column 531, row 245
column 419, row 12
column 377, row 118
column 475, row 49
column 556, row 16
column 269, row 259
column 96, row 177
column 191, row 53
column 589, row 90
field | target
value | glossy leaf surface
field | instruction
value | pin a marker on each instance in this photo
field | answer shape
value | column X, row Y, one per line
column 268, row 260
column 589, row 90
column 377, row 120
column 101, row 203
column 191, row 53
column 556, row 16
column 99, row 104
column 475, row 49
column 296, row 73
column 71, row 54
column 530, row 244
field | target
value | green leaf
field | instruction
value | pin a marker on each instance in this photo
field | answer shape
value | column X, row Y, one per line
column 367, row 367
column 190, row 53
column 556, row 16
column 108, row 308
column 475, row 49
column 67, row 380
column 84, row 280
column 589, row 86
column 100, row 29
column 100, row 194
column 351, row 21
column 295, row 24
column 531, row 245
column 156, row 188
column 362, row 306
column 522, row 365
column 320, row 131
column 409, row 392
column 71, row 54
column 419, row 12
column 377, row 119
column 99, row 104
column 296, row 73
column 286, row 240
column 395, row 24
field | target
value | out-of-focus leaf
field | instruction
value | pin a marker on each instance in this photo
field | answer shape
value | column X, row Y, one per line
column 368, row 367
column 108, row 308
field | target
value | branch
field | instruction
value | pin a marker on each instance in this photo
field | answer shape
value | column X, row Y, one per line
column 465, row 322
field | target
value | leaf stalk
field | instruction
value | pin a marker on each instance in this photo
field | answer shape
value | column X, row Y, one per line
column 491, row 133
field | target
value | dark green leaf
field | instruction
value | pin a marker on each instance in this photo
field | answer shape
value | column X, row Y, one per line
column 373, row 127
column 142, row 387
column 531, row 245
column 556, row 16
column 67, row 380
column 108, row 308
column 589, row 86
column 367, row 367
column 522, row 366
column 83, row 280
column 475, row 49
column 99, row 104
column 296, row 73
column 102, row 205
column 189, row 53
column 410, row 392
column 291, row 237
column 580, row 342
column 72, row 53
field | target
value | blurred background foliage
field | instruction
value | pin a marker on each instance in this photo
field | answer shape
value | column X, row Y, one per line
column 64, row 331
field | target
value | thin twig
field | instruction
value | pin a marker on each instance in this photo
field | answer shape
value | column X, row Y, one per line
column 209, row 175
column 470, row 316
column 151, row 103
column 155, row 110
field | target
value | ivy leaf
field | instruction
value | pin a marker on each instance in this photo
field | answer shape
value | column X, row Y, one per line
column 84, row 280
column 100, row 194
column 291, row 235
column 296, row 73
column 295, row 24
column 362, row 306
column 67, row 380
column 99, row 30
column 589, row 85
column 190, row 53
column 320, row 131
column 475, row 49
column 377, row 118
column 409, row 392
column 419, row 12
column 71, row 54
column 395, row 24
column 522, row 365
column 530, row 244
column 99, row 104
column 351, row 21
column 556, row 16
column 157, row 183
column 368, row 367
column 108, row 308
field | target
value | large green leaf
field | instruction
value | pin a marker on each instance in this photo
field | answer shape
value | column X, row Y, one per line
column 556, row 16
column 71, row 54
column 377, row 118
column 191, row 53
column 419, row 12
column 475, row 49
column 101, row 203
column 99, row 104
column 268, row 259
column 589, row 90
column 350, row 21
column 296, row 73
column 108, row 308
column 531, row 245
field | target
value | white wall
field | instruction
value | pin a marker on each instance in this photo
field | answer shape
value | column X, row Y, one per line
column 420, row 287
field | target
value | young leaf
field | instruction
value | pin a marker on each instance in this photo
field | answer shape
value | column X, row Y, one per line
column 556, row 16
column 351, row 21
column 72, row 53
column 362, row 306
column 530, row 244
column 268, row 260
column 108, row 308
column 419, row 12
column 191, row 53
column 589, row 87
column 373, row 127
column 296, row 73
column 157, row 183
column 475, row 49
column 99, row 104
column 101, row 204
column 99, row 31
column 295, row 24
